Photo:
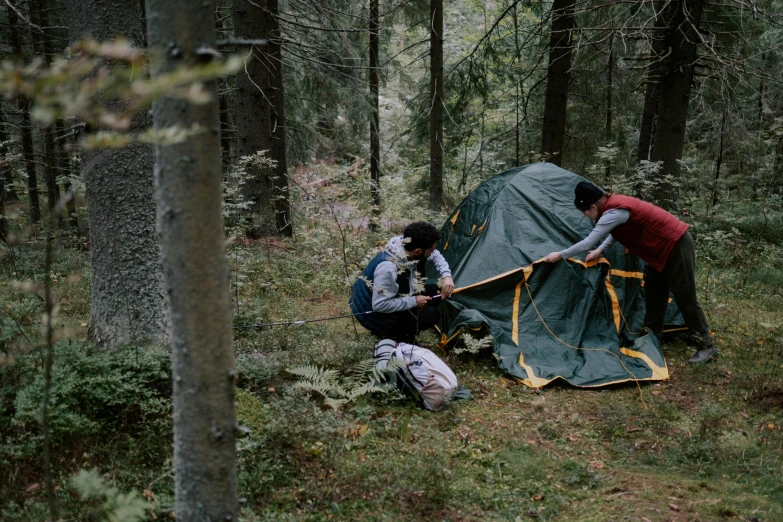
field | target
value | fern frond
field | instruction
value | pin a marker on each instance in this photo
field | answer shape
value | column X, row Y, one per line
column 315, row 374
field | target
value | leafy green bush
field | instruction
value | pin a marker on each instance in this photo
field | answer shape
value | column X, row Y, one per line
column 122, row 395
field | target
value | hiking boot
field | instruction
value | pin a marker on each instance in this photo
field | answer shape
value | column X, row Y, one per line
column 702, row 356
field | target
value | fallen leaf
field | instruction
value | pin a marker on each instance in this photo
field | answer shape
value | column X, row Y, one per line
column 674, row 507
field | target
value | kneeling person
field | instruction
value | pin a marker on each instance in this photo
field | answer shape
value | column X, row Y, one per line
column 386, row 287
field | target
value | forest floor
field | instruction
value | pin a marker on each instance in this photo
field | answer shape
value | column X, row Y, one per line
column 705, row 445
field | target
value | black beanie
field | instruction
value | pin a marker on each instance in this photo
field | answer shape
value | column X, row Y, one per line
column 586, row 194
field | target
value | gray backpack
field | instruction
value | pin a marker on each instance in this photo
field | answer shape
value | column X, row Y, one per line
column 419, row 371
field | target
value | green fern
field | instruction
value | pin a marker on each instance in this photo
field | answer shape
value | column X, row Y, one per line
column 337, row 390
column 472, row 345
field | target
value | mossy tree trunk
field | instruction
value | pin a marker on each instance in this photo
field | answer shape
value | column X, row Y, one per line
column 128, row 300
column 189, row 214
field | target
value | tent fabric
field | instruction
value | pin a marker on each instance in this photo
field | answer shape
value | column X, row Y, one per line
column 567, row 320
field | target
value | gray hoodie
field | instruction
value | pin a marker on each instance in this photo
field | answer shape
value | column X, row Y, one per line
column 385, row 286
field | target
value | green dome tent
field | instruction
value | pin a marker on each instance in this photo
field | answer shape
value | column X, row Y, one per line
column 548, row 321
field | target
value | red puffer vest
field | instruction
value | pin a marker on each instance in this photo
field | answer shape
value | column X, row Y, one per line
column 649, row 233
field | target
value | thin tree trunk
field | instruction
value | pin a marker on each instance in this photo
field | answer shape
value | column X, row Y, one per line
column 7, row 191
column 375, row 121
column 609, row 88
column 436, row 105
column 50, row 172
column 225, row 130
column 29, row 161
column 777, row 174
column 5, row 176
column 661, row 58
column 45, row 48
column 558, row 78
column 674, row 96
column 64, row 169
column 26, row 131
column 128, row 302
column 719, row 161
column 518, row 86
column 282, row 202
column 190, row 220
column 760, row 117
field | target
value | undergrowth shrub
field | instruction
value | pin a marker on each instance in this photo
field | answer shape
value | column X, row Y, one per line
column 122, row 396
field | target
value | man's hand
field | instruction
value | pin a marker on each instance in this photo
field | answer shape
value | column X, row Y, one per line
column 447, row 288
column 422, row 300
column 593, row 255
column 552, row 258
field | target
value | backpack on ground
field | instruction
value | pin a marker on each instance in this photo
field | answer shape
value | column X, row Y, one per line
column 420, row 371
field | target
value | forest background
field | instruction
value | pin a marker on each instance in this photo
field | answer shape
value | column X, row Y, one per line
column 286, row 141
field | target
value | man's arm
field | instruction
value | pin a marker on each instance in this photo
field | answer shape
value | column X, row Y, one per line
column 608, row 221
column 385, row 288
column 442, row 265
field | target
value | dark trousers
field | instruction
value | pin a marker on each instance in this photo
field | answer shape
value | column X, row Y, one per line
column 678, row 276
column 409, row 323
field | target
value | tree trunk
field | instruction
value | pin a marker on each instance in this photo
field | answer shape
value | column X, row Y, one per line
column 674, row 94
column 7, row 191
column 281, row 198
column 45, row 47
column 5, row 177
column 558, row 78
column 128, row 300
column 777, row 169
column 64, row 168
column 436, row 105
column 50, row 172
column 719, row 160
column 375, row 121
column 661, row 60
column 225, row 130
column 609, row 87
column 25, row 130
column 190, row 220
column 252, row 111
column 519, row 87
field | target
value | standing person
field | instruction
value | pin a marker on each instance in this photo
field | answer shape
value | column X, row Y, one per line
column 386, row 287
column 657, row 237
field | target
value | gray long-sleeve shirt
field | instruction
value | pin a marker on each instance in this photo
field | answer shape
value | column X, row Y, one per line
column 385, row 288
column 605, row 224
